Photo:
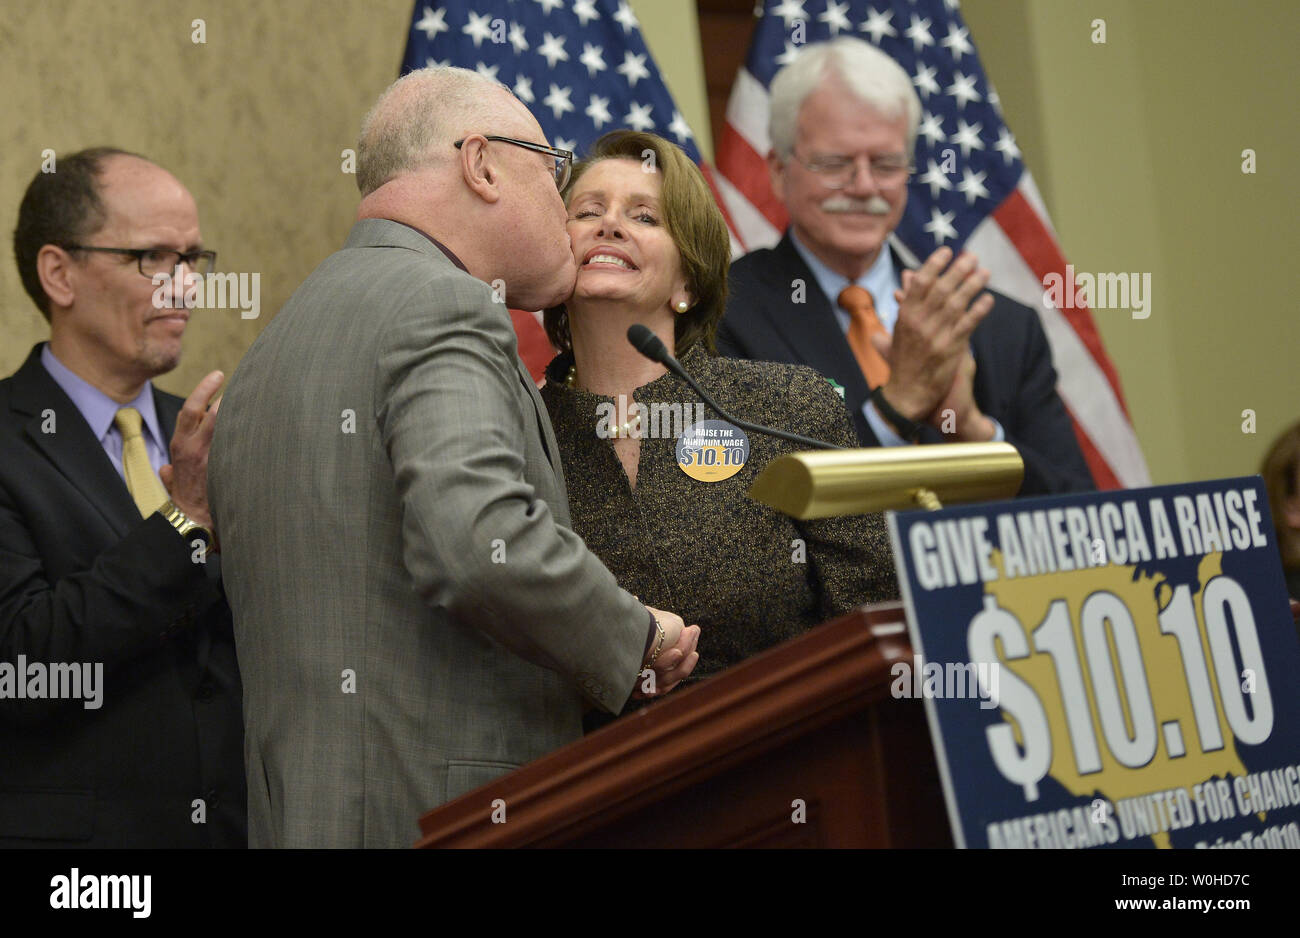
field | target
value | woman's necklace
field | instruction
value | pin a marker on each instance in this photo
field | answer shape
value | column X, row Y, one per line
column 625, row 430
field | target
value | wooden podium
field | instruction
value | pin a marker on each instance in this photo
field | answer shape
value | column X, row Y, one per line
column 729, row 762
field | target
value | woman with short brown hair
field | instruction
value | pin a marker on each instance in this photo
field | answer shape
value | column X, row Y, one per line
column 657, row 486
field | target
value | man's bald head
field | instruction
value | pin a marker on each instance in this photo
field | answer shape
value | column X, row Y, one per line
column 492, row 203
column 83, row 233
column 61, row 207
column 418, row 119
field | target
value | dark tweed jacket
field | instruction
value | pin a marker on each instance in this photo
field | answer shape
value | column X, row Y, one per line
column 704, row 550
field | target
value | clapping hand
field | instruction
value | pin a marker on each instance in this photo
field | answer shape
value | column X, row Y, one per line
column 186, row 476
column 938, row 309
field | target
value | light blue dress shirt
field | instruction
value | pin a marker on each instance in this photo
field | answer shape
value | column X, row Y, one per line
column 880, row 280
column 99, row 409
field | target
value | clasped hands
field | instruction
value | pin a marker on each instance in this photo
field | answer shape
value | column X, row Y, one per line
column 185, row 478
column 931, row 369
column 677, row 655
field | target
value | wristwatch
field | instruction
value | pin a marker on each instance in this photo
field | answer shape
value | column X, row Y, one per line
column 185, row 526
column 909, row 430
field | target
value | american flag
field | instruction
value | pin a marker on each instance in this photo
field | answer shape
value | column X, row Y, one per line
column 581, row 66
column 971, row 188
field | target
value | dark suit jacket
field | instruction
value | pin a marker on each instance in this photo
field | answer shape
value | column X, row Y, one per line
column 707, row 550
column 1015, row 382
column 84, row 579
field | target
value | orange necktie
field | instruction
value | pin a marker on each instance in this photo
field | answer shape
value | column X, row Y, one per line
column 863, row 324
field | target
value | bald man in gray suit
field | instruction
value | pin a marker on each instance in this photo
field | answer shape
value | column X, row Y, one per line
column 413, row 615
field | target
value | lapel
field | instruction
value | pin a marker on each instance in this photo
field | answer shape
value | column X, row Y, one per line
column 812, row 331
column 168, row 407
column 549, row 446
column 72, row 449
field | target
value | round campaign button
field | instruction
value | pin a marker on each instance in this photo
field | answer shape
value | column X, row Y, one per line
column 712, row 450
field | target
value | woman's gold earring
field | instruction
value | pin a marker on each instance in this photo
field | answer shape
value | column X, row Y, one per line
column 682, row 306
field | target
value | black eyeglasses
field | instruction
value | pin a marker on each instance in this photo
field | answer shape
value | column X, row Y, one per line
column 154, row 261
column 563, row 158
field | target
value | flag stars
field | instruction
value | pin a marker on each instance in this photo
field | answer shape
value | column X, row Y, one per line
column 487, row 71
column 478, row 28
column 679, row 128
column 919, row 33
column 791, row 11
column 940, row 225
column 936, row 179
column 788, row 56
column 835, row 17
column 972, row 185
column 924, row 81
column 563, row 144
column 638, row 116
column 633, row 68
column 585, row 10
column 524, row 89
column 552, row 49
column 967, row 137
column 931, row 128
column 592, row 57
column 598, row 111
column 877, row 23
column 1006, row 145
column 957, row 41
column 549, row 5
column 625, row 17
column 432, row 23
column 516, row 37
column 558, row 100
column 963, row 89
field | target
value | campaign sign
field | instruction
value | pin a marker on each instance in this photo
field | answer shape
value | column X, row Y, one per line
column 1115, row 669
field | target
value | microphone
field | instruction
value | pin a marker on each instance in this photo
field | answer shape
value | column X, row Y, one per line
column 650, row 345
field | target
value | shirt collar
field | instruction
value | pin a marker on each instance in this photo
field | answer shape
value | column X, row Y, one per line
column 880, row 279
column 438, row 244
column 96, row 407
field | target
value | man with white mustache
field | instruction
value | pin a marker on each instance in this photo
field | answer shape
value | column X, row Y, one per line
column 923, row 355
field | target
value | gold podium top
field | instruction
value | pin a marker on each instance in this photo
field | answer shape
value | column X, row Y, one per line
column 830, row 483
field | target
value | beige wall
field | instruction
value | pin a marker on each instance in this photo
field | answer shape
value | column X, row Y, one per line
column 671, row 29
column 1136, row 146
column 254, row 122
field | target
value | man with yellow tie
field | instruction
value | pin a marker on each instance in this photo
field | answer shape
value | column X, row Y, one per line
column 922, row 355
column 120, row 721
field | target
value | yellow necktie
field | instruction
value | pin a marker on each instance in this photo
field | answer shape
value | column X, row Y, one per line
column 141, row 481
column 864, row 323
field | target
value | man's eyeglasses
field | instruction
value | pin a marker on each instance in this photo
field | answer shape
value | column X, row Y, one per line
column 563, row 158
column 153, row 261
column 836, row 172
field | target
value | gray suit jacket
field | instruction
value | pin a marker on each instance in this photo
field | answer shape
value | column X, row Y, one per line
column 413, row 615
